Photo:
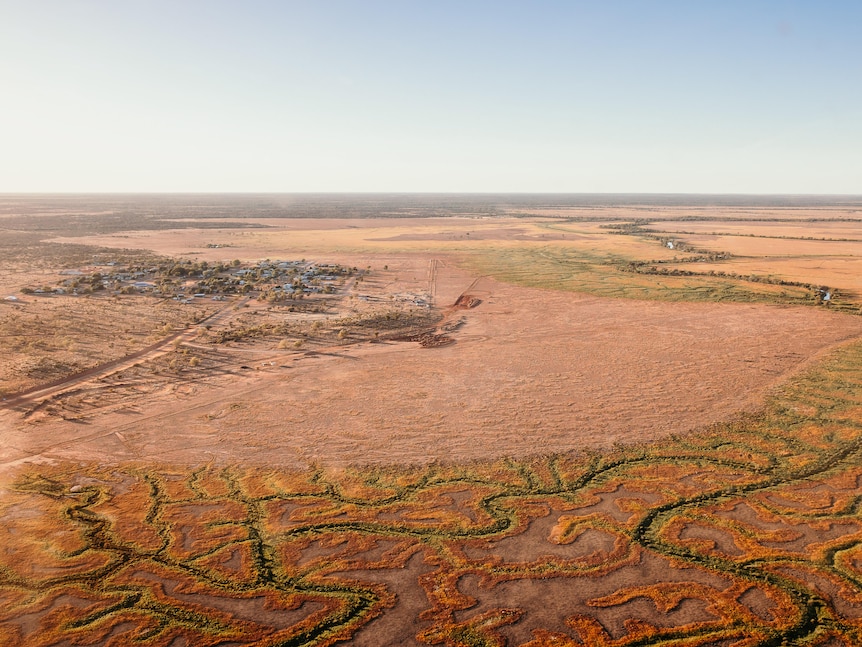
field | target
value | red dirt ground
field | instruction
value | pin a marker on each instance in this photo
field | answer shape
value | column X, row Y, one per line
column 530, row 371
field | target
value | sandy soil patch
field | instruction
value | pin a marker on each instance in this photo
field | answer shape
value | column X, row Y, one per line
column 290, row 236
column 755, row 246
column 531, row 371
column 834, row 229
column 843, row 273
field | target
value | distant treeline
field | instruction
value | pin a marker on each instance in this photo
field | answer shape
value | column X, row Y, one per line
column 114, row 211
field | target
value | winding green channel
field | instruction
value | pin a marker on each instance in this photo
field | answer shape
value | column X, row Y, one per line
column 310, row 538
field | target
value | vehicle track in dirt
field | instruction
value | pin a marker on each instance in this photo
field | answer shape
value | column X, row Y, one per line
column 263, row 359
column 42, row 391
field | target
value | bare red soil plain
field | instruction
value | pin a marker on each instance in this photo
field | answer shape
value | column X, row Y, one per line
column 466, row 422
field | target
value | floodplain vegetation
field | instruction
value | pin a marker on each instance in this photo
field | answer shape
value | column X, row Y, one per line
column 679, row 272
column 748, row 533
column 741, row 534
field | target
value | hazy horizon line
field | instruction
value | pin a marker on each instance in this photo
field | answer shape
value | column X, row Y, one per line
column 465, row 193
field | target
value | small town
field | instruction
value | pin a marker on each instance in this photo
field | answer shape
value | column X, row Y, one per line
column 271, row 280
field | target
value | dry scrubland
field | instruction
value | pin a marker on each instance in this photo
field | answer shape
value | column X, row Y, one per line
column 521, row 421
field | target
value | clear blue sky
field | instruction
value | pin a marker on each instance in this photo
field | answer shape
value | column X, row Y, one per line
column 324, row 95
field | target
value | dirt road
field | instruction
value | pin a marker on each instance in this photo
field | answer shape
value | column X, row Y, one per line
column 41, row 391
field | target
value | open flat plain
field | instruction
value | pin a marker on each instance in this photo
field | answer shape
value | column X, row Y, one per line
column 395, row 420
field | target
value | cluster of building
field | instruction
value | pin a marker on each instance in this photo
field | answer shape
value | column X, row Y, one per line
column 188, row 280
